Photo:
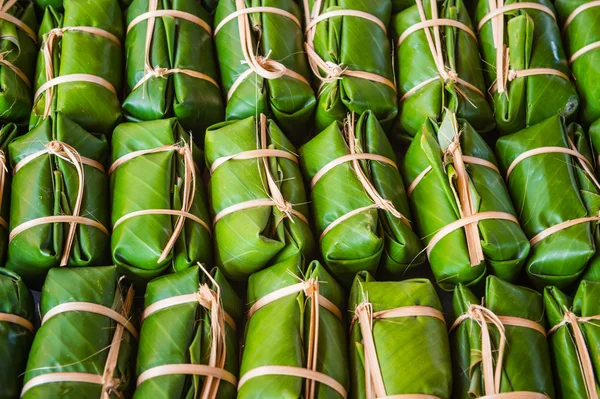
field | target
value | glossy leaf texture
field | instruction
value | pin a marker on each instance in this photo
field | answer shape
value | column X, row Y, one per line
column 415, row 65
column 526, row 359
column 289, row 101
column 47, row 186
column 436, row 204
column 92, row 106
column 356, row 44
column 250, row 239
column 176, row 43
column 8, row 133
column 413, row 352
column 150, row 182
column 549, row 189
column 181, row 334
column 373, row 239
column 533, row 40
column 568, row 375
column 15, row 340
column 277, row 334
column 79, row 341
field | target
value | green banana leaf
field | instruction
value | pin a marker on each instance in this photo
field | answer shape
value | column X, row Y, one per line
column 289, row 101
column 250, row 239
column 155, row 181
column 370, row 240
column 19, row 49
column 413, row 352
column 534, row 41
column 568, row 376
column 8, row 133
column 358, row 45
column 15, row 340
column 47, row 186
column 526, row 359
column 176, row 43
column 277, row 334
column 187, row 340
column 435, row 205
column 415, row 64
column 79, row 341
column 92, row 106
column 549, row 189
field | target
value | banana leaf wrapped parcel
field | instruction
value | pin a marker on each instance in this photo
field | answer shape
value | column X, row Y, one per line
column 160, row 218
column 575, row 339
column 86, row 341
column 439, row 67
column 358, row 199
column 398, row 340
column 196, row 356
column 79, row 65
column 16, row 332
column 499, row 343
column 295, row 339
column 59, row 213
column 549, row 173
column 170, row 65
column 527, row 66
column 263, row 65
column 349, row 53
column 8, row 133
column 461, row 205
column 257, row 196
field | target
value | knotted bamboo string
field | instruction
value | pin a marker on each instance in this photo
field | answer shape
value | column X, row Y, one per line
column 435, row 47
column 14, row 319
column 583, row 354
column 69, row 154
column 310, row 288
column 3, row 172
column 52, row 81
column 577, row 11
column 4, row 15
column 333, row 72
column 363, row 313
column 106, row 380
column 263, row 66
column 187, row 198
column 492, row 376
column 503, row 72
column 276, row 198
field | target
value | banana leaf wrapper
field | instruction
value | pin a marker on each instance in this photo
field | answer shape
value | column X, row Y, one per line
column 526, row 359
column 415, row 65
column 18, row 47
column 354, row 44
column 277, row 334
column 176, row 44
column 248, row 240
column 569, row 378
column 15, row 339
column 413, row 352
column 533, row 40
column 8, row 133
column 289, row 100
column 373, row 239
column 91, row 105
column 156, row 181
column 549, row 189
column 80, row 341
column 188, row 338
column 436, row 203
column 47, row 186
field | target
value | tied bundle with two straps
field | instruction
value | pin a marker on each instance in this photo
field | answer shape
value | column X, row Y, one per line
column 258, row 198
column 263, row 68
column 307, row 314
column 461, row 201
column 358, row 197
column 170, row 64
column 529, row 74
column 158, row 201
column 354, row 71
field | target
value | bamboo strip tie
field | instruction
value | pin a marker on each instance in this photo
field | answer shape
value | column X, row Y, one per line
column 4, row 15
column 577, row 11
